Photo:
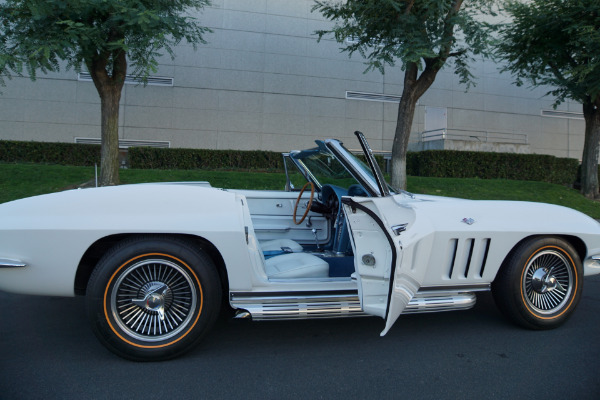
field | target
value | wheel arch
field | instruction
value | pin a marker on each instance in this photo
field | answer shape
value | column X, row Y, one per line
column 574, row 241
column 95, row 252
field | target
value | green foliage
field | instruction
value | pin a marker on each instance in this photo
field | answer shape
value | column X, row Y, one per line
column 434, row 163
column 473, row 164
column 36, row 34
column 555, row 43
column 153, row 158
column 419, row 31
column 49, row 153
column 24, row 180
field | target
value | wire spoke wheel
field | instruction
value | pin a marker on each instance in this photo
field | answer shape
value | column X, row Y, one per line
column 539, row 283
column 548, row 281
column 153, row 300
column 153, row 297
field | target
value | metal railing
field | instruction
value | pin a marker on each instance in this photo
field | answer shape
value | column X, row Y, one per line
column 473, row 136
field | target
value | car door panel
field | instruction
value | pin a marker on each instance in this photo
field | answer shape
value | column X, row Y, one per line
column 272, row 217
column 386, row 284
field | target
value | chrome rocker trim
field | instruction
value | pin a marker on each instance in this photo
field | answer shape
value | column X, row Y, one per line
column 310, row 305
column 7, row 263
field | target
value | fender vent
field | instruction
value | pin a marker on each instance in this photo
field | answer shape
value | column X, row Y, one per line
column 467, row 258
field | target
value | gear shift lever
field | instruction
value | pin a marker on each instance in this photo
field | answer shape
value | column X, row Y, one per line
column 314, row 231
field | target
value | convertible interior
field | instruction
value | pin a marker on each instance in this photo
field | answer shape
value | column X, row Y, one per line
column 302, row 232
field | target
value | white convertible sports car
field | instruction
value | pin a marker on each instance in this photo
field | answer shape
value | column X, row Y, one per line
column 158, row 262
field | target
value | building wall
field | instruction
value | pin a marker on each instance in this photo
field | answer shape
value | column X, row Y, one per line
column 263, row 82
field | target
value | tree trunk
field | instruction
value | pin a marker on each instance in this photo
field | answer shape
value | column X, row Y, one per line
column 413, row 89
column 108, row 73
column 591, row 147
column 109, row 166
column 406, row 113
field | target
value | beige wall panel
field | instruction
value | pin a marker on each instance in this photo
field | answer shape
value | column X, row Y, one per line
column 285, row 64
column 284, row 124
column 281, row 143
column 437, row 98
column 326, row 127
column 148, row 96
column 289, row 8
column 246, row 5
column 368, row 110
column 62, row 90
column 202, row 57
column 189, row 118
column 243, row 60
column 14, row 110
column 52, row 112
column 205, row 78
column 285, row 104
column 85, row 92
column 244, row 21
column 390, row 112
column 289, row 26
column 239, row 40
column 89, row 114
column 239, row 122
column 466, row 119
column 212, row 17
column 499, row 104
column 47, row 132
column 247, row 81
column 238, row 101
column 204, row 99
column 240, row 141
column 555, row 125
column 15, row 130
column 290, row 45
column 469, row 101
column 326, row 107
column 148, row 117
column 499, row 86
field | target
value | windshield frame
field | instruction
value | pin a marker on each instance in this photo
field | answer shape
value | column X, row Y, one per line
column 368, row 175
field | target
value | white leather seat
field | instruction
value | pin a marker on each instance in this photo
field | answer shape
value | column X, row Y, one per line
column 296, row 265
column 287, row 265
column 279, row 244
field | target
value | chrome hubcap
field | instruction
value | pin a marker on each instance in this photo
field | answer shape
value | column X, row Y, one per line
column 543, row 282
column 547, row 282
column 153, row 300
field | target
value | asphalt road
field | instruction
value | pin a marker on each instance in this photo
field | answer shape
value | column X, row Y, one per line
column 48, row 351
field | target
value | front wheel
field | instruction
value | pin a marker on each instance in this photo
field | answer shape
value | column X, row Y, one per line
column 540, row 283
column 153, row 298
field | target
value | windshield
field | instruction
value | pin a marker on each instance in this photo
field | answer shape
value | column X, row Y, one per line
column 323, row 167
column 331, row 163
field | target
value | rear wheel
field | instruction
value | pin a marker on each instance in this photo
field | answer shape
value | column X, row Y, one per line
column 153, row 298
column 540, row 283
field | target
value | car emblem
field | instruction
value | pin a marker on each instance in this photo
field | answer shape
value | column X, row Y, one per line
column 468, row 221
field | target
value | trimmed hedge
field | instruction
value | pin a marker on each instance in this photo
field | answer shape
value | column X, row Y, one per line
column 434, row 163
column 49, row 153
column 157, row 158
column 473, row 164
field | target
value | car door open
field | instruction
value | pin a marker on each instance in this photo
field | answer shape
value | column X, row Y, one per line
column 386, row 284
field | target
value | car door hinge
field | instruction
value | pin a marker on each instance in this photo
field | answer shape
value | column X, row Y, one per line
column 398, row 229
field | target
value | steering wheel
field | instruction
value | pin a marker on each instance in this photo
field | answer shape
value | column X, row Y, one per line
column 312, row 195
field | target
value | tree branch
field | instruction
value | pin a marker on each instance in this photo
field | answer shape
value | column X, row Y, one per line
column 409, row 7
column 457, row 53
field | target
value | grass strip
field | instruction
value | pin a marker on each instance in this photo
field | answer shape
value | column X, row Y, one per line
column 24, row 180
